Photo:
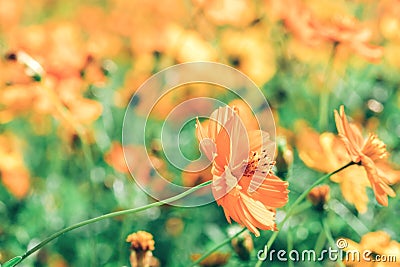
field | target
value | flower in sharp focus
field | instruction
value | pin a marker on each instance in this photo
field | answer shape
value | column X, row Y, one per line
column 243, row 183
column 365, row 152
column 142, row 245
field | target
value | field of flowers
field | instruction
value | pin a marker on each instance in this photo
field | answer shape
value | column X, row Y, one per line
column 101, row 166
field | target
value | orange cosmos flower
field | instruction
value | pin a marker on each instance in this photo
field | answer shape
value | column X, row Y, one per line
column 142, row 245
column 249, row 51
column 326, row 152
column 366, row 153
column 243, row 183
column 385, row 252
column 347, row 31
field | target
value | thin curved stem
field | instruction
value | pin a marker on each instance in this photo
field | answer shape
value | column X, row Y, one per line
column 216, row 247
column 297, row 202
column 106, row 216
column 325, row 93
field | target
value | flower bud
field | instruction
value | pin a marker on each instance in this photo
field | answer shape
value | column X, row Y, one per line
column 243, row 246
column 319, row 196
column 142, row 245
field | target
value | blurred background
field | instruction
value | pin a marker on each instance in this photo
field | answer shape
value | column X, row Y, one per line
column 69, row 69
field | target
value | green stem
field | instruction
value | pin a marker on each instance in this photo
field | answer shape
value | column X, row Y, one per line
column 297, row 202
column 106, row 216
column 325, row 93
column 323, row 110
column 216, row 247
column 290, row 247
column 320, row 243
column 329, row 236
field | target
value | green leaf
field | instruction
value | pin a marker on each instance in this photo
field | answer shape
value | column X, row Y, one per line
column 12, row 262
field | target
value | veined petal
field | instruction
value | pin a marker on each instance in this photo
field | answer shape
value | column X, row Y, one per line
column 218, row 119
column 223, row 184
column 207, row 144
column 272, row 192
column 248, row 212
column 239, row 144
column 380, row 187
column 350, row 132
column 260, row 140
column 258, row 215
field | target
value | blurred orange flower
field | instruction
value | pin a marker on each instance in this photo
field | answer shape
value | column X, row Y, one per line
column 141, row 164
column 216, row 259
column 366, row 153
column 115, row 158
column 191, row 178
column 10, row 14
column 144, row 23
column 343, row 30
column 14, row 174
column 297, row 17
column 239, row 13
column 319, row 196
column 380, row 246
column 243, row 246
column 251, row 52
column 243, row 184
column 59, row 94
column 187, row 45
column 246, row 114
column 346, row 31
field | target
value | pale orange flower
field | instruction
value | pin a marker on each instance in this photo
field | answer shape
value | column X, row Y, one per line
column 380, row 245
column 297, row 17
column 326, row 152
column 240, row 13
column 366, row 153
column 310, row 27
column 249, row 51
column 243, row 183
column 347, row 31
column 118, row 156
